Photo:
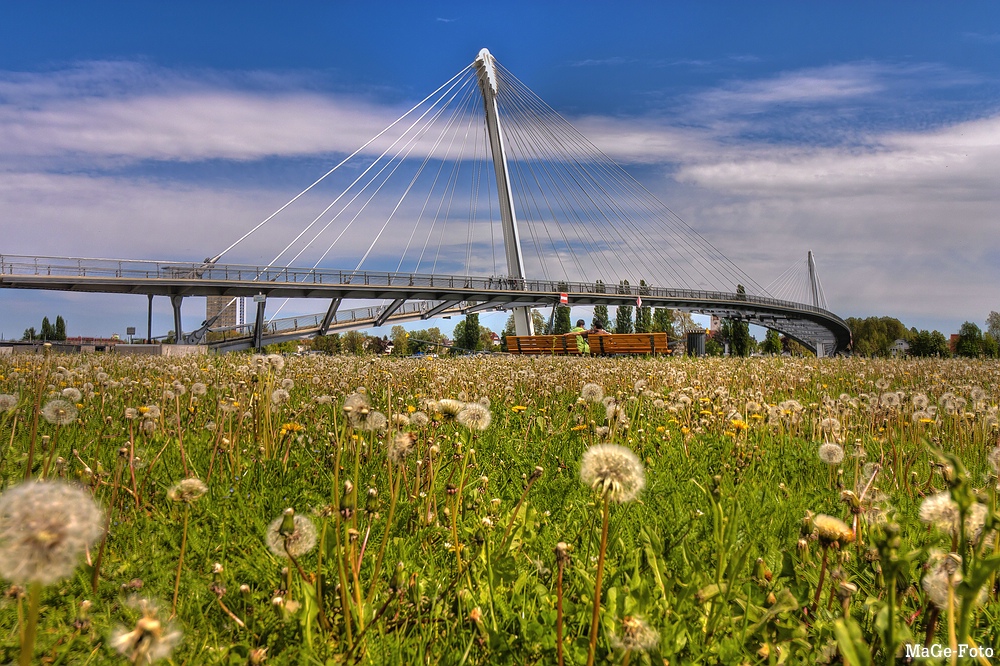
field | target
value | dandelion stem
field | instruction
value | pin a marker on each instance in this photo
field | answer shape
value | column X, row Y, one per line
column 31, row 627
column 180, row 437
column 52, row 453
column 822, row 578
column 559, row 613
column 952, row 638
column 36, row 411
column 131, row 465
column 321, row 607
column 517, row 507
column 394, row 489
column 95, row 574
column 596, row 615
column 180, row 560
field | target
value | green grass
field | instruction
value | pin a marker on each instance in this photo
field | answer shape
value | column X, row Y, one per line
column 724, row 488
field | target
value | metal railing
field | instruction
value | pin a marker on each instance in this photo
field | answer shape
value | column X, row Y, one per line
column 172, row 271
column 311, row 322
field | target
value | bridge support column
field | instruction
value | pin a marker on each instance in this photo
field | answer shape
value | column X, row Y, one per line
column 149, row 320
column 176, row 301
column 258, row 327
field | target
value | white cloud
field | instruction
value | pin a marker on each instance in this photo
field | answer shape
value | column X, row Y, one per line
column 122, row 112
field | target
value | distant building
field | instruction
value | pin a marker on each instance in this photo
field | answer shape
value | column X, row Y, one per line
column 227, row 305
column 899, row 348
column 953, row 342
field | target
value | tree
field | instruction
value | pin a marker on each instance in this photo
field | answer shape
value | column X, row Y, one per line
column 601, row 311
column 991, row 347
column 874, row 336
column 925, row 343
column 970, row 341
column 329, row 344
column 426, row 341
column 537, row 321
column 353, row 342
column 30, row 334
column 684, row 323
column 563, row 321
column 993, row 324
column 795, row 348
column 623, row 313
column 60, row 329
column 713, row 345
column 772, row 342
column 400, row 341
column 737, row 334
column 643, row 314
column 47, row 332
column 486, row 339
column 663, row 321
column 623, row 319
column 467, row 335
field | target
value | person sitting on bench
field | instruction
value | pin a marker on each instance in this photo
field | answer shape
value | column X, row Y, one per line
column 581, row 341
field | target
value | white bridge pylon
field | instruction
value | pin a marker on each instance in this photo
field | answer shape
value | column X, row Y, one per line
column 488, row 81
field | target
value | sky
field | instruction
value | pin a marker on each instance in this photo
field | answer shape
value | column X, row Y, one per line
column 868, row 133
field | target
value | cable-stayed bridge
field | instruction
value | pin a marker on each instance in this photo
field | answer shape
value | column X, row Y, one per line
column 479, row 197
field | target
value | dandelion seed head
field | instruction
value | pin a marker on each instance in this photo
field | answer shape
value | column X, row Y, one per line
column 72, row 394
column 636, row 636
column 198, row 389
column 994, row 460
column 475, row 416
column 613, row 471
column 279, row 396
column 831, row 454
column 449, row 409
column 187, row 491
column 59, row 412
column 44, row 528
column 592, row 392
column 376, row 421
column 7, row 402
column 401, row 447
column 275, row 361
column 299, row 541
column 150, row 640
column 941, row 511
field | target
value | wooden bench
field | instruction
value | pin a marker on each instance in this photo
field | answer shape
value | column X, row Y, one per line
column 600, row 345
column 552, row 345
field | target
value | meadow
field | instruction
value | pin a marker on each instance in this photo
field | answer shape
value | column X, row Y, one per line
column 339, row 510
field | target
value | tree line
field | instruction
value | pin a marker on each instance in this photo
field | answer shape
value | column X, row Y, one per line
column 49, row 332
column 877, row 336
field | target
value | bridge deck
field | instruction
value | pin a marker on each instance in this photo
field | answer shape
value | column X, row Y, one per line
column 812, row 326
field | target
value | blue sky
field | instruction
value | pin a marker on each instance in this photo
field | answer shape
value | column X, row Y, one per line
column 867, row 132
